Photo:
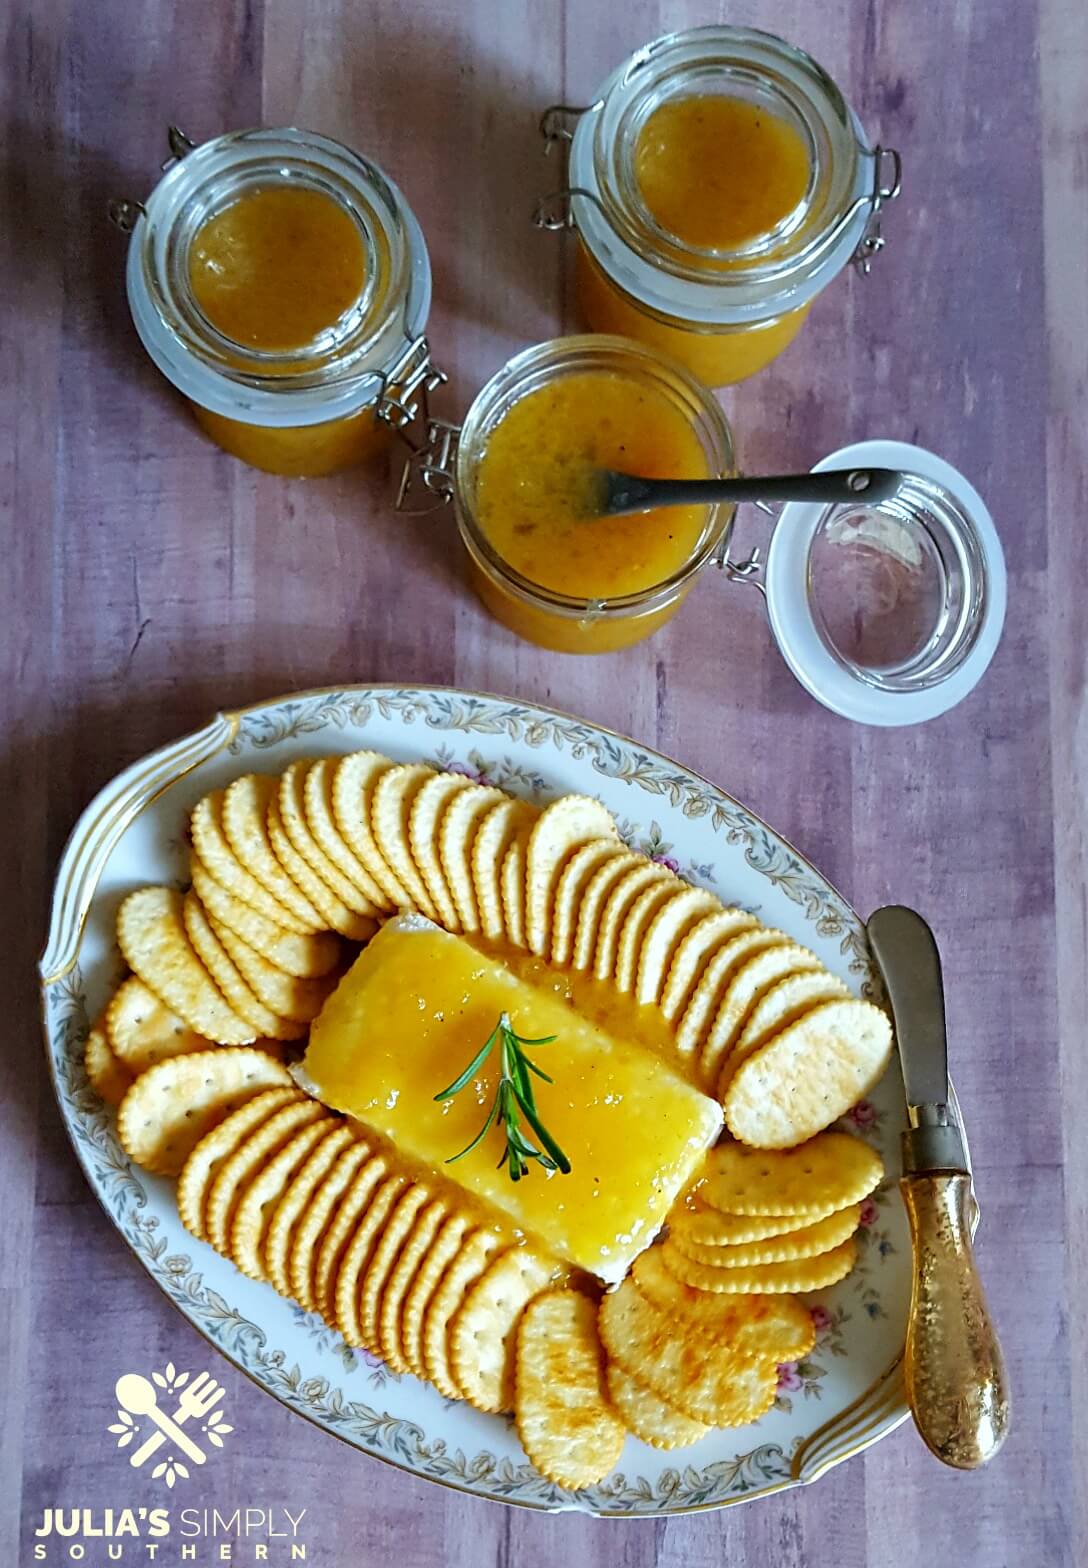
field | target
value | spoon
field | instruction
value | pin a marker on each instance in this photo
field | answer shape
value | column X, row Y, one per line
column 615, row 494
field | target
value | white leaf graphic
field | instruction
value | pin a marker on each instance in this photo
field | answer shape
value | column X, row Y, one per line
column 180, row 1469
column 160, row 1469
column 157, row 1377
column 170, row 1372
column 218, row 1441
column 221, row 1426
column 181, row 1380
column 118, row 1427
column 123, row 1441
column 170, row 1478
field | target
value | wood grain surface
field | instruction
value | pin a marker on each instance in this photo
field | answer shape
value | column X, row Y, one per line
column 147, row 579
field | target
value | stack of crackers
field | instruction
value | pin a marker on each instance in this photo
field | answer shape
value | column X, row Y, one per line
column 289, row 875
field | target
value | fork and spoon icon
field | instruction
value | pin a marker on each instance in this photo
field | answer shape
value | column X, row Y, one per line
column 137, row 1395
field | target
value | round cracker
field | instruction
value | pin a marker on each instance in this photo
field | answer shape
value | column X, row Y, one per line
column 296, row 1199
column 151, row 935
column 643, row 874
column 299, row 954
column 809, row 1075
column 350, row 1210
column 297, row 826
column 374, row 1282
column 456, row 834
column 570, row 889
column 228, row 1184
column 497, row 831
column 807, row 1242
column 798, row 1275
column 706, row 998
column 364, row 1244
column 693, row 953
column 335, row 914
column 461, row 1273
column 424, row 831
column 391, row 805
column 723, row 1381
column 559, row 830
column 814, row 1179
column 565, row 1419
column 142, row 1030
column 171, row 1106
column 637, row 922
column 786, row 1329
column 482, row 1334
column 441, row 1253
column 712, row 1229
column 668, row 928
column 208, row 1155
column 212, row 848
column 780, row 1005
column 649, row 1417
column 312, row 1226
column 512, row 889
column 257, row 1203
column 321, row 820
column 286, row 995
column 245, row 822
column 354, row 781
column 598, row 889
column 229, row 978
column 746, row 984
column 106, row 1073
column 413, row 1254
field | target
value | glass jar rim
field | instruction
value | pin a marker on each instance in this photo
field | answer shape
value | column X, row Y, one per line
column 762, row 280
column 536, row 366
column 342, row 371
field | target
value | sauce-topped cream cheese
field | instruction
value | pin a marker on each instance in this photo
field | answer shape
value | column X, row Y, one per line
column 410, row 1015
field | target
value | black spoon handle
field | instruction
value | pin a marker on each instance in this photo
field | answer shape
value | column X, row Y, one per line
column 631, row 493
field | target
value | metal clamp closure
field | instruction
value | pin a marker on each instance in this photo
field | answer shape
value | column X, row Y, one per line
column 406, row 388
column 429, row 467
column 750, row 570
column 554, row 211
column 887, row 183
column 123, row 213
column 555, row 122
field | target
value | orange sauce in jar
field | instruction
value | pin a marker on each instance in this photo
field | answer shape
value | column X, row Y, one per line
column 719, row 172
column 272, row 272
column 717, row 355
column 716, row 173
column 278, row 267
column 534, row 503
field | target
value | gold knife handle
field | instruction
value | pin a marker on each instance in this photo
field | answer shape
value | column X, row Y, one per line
column 956, row 1382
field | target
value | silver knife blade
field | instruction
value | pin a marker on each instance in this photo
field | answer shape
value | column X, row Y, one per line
column 906, row 950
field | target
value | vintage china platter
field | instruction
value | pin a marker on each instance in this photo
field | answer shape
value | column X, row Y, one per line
column 847, row 1394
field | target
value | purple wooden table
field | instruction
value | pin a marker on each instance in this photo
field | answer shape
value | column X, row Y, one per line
column 147, row 580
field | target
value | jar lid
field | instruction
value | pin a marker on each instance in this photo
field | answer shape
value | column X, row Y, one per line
column 888, row 614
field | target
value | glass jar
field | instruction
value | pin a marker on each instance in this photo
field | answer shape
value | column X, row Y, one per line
column 309, row 407
column 724, row 309
column 566, row 622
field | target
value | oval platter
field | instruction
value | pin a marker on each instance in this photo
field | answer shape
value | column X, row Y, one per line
column 844, row 1396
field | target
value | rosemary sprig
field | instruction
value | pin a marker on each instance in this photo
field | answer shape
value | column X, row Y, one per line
column 514, row 1099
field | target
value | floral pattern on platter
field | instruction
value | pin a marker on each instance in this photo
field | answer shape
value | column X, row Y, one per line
column 538, row 755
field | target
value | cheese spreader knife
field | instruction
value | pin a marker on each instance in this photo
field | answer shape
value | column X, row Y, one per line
column 957, row 1387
